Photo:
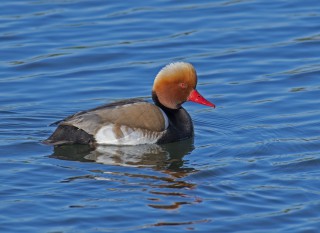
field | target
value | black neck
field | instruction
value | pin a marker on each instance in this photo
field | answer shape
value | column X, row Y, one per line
column 157, row 102
column 180, row 123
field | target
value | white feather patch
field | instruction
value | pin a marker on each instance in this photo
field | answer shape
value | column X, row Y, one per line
column 166, row 120
column 130, row 136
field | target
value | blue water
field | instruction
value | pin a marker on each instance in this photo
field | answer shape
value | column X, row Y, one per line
column 254, row 164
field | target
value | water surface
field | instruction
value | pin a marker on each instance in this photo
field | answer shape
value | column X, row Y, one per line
column 253, row 165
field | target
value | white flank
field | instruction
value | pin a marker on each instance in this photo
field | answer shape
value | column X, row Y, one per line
column 106, row 136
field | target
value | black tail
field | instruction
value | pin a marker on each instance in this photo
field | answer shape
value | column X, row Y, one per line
column 67, row 134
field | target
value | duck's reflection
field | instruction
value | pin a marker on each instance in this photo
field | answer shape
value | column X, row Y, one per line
column 169, row 156
column 168, row 189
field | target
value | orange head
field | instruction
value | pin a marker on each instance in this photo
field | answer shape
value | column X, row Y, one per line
column 175, row 84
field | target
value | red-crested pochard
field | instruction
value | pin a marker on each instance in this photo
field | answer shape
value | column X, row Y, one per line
column 135, row 121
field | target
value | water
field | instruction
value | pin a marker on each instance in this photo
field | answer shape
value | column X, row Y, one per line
column 254, row 163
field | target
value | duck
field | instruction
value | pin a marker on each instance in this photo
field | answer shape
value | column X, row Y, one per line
column 136, row 121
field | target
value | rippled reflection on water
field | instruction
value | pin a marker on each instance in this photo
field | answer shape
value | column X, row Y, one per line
column 169, row 156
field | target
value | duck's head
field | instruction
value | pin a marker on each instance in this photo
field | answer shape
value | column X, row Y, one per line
column 175, row 84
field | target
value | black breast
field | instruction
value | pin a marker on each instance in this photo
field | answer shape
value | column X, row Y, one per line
column 180, row 123
column 180, row 126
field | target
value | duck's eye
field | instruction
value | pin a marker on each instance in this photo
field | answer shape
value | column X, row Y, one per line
column 183, row 85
